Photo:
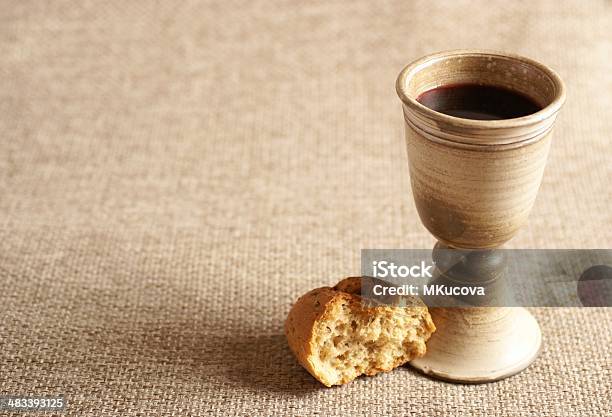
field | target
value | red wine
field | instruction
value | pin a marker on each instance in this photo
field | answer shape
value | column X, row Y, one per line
column 480, row 102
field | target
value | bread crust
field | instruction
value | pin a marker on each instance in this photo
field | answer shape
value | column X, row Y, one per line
column 315, row 307
column 350, row 285
column 300, row 324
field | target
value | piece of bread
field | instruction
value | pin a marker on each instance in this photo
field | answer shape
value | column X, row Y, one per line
column 337, row 336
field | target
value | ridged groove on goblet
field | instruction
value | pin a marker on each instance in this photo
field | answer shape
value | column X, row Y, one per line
column 512, row 137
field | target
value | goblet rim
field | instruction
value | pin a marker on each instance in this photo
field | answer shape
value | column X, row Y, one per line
column 548, row 111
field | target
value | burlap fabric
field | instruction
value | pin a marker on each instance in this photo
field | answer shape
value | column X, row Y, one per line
column 173, row 175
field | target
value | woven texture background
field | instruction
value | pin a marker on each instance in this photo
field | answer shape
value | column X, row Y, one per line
column 174, row 174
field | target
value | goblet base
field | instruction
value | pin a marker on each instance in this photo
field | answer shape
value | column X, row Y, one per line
column 480, row 344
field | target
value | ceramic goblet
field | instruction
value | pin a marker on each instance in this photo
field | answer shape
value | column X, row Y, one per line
column 474, row 183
